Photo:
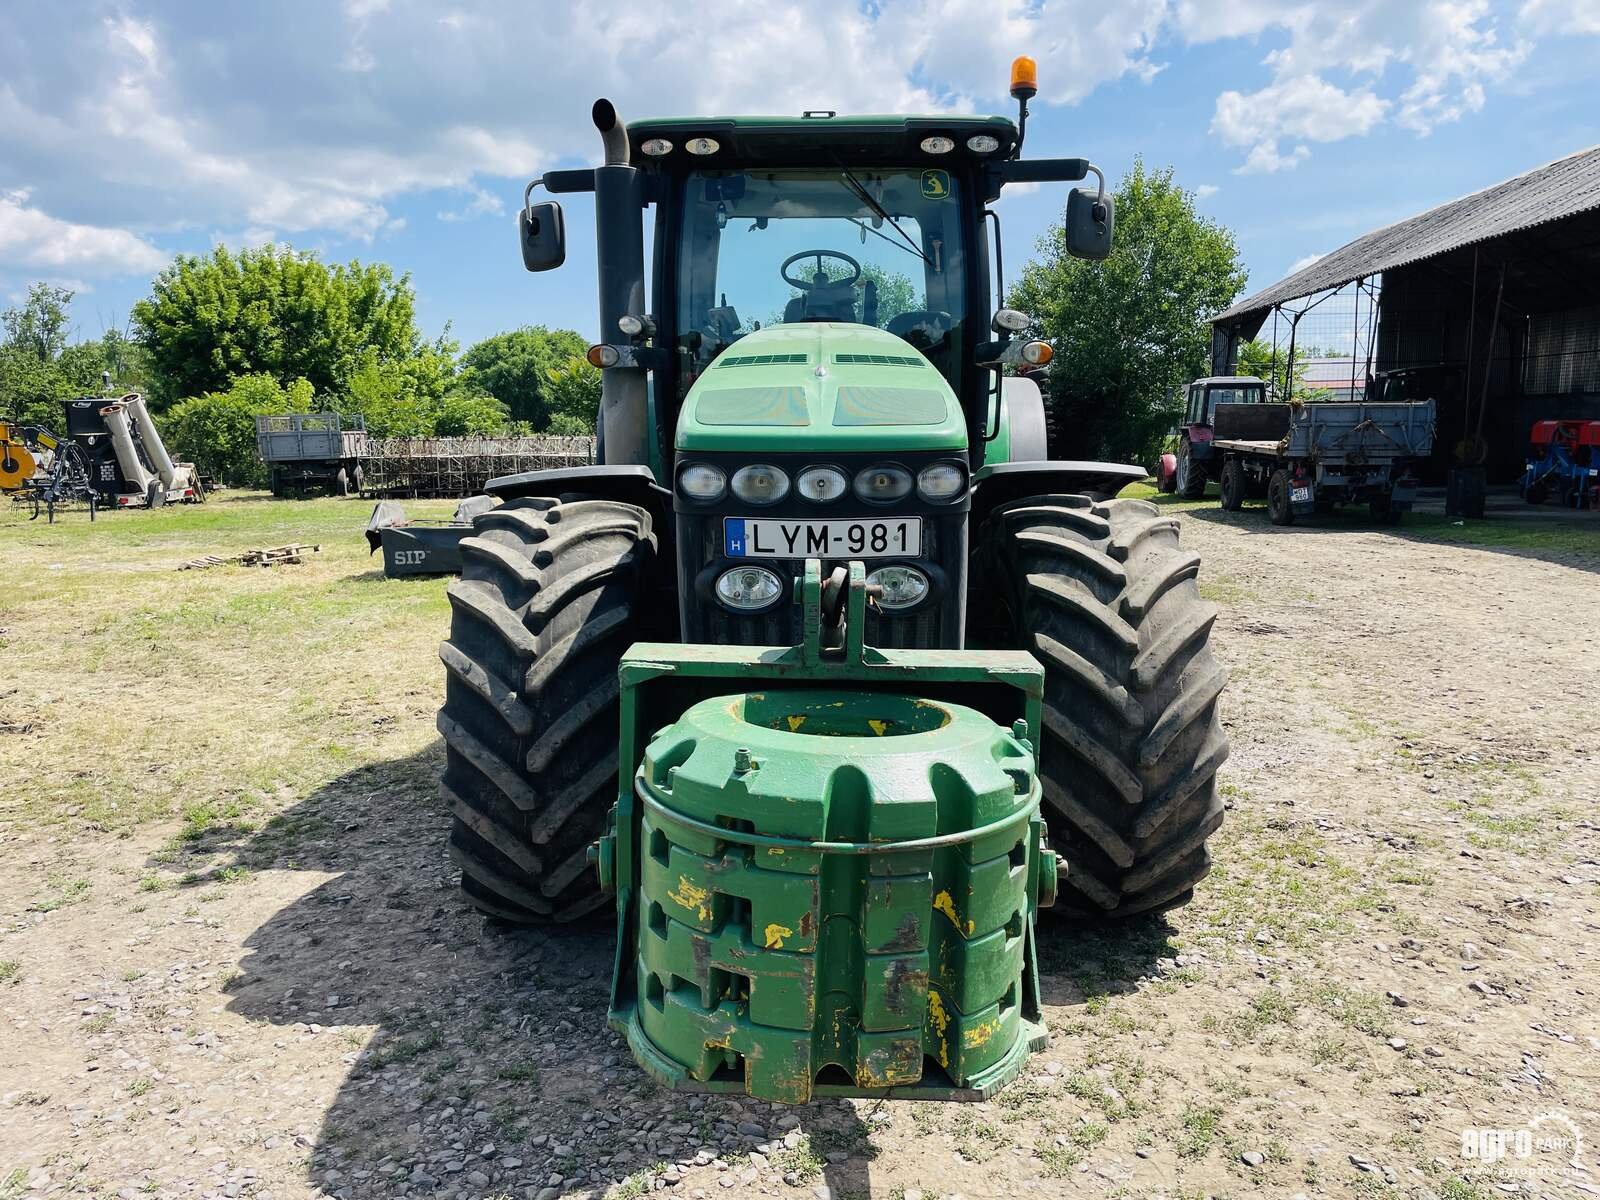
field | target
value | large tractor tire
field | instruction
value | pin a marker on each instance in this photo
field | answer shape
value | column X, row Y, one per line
column 548, row 599
column 1105, row 598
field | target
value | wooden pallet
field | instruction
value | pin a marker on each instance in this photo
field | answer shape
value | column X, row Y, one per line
column 294, row 552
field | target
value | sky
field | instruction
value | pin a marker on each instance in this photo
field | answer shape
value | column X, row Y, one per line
column 405, row 130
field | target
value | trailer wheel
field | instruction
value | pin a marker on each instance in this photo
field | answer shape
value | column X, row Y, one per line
column 1279, row 509
column 341, row 482
column 1234, row 484
column 1105, row 598
column 1191, row 482
column 548, row 599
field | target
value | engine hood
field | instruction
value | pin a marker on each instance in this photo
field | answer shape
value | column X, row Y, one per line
column 821, row 386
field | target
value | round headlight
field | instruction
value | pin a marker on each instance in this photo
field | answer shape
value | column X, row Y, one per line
column 760, row 484
column 982, row 143
column 883, row 483
column 656, row 147
column 748, row 587
column 937, row 145
column 702, row 481
column 821, row 484
column 940, row 481
column 901, row 587
column 702, row 145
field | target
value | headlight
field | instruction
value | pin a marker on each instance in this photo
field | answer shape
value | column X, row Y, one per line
column 982, row 143
column 883, row 483
column 821, row 484
column 748, row 587
column 901, row 587
column 937, row 145
column 702, row 481
column 760, row 484
column 941, row 481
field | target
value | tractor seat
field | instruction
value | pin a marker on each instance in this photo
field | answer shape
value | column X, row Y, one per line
column 822, row 304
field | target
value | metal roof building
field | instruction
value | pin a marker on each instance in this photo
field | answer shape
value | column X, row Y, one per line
column 1492, row 301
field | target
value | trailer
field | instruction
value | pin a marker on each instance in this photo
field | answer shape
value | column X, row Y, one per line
column 1311, row 458
column 313, row 450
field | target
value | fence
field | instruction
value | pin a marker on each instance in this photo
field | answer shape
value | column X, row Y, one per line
column 452, row 467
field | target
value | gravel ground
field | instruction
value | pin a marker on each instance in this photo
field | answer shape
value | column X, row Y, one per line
column 1397, row 945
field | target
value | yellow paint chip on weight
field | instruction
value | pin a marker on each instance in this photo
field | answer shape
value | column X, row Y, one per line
column 877, row 726
column 775, row 934
column 943, row 903
column 795, row 722
column 696, row 899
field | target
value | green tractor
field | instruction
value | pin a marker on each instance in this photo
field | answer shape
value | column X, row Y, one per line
column 827, row 676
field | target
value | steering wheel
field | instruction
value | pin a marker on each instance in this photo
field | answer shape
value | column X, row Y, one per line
column 821, row 279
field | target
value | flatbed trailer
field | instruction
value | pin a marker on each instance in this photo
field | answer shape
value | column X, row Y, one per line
column 304, row 450
column 1309, row 458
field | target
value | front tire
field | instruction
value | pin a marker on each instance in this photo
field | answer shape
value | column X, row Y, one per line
column 1191, row 482
column 1105, row 598
column 548, row 599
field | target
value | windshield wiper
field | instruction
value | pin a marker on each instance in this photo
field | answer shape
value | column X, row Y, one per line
column 861, row 193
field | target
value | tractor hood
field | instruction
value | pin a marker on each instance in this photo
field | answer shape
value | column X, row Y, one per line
column 821, row 386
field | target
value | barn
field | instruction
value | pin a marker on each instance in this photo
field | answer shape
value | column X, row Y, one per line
column 1489, row 304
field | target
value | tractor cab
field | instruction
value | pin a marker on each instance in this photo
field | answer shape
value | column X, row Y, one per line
column 1206, row 394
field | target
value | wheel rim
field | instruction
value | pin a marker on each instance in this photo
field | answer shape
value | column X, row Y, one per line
column 1183, row 467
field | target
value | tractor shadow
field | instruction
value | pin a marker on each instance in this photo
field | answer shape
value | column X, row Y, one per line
column 489, row 1069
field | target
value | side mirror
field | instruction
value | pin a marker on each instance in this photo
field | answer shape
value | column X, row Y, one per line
column 1089, row 221
column 543, row 233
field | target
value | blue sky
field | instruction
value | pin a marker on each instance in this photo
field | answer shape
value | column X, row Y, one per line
column 400, row 131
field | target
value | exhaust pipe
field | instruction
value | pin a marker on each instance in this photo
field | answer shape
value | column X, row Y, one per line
column 613, row 134
column 619, row 242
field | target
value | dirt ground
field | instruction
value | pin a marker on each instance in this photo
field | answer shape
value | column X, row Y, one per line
column 233, row 961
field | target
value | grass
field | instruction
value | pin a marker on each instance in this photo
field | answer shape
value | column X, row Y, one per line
column 184, row 665
column 10, row 971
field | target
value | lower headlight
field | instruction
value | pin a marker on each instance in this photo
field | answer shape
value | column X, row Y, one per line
column 941, row 481
column 702, row 481
column 748, row 588
column 901, row 587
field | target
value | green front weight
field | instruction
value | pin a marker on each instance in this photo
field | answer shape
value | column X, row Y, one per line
column 834, row 887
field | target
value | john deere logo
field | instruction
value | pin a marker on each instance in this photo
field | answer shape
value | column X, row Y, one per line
column 935, row 185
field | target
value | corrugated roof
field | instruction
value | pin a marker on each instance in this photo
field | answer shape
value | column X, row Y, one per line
column 1560, row 189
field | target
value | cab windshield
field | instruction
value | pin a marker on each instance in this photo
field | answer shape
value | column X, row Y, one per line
column 768, row 247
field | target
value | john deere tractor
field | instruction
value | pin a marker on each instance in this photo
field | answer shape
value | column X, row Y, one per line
column 826, row 676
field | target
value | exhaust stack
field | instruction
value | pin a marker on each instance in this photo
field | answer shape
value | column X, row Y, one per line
column 619, row 241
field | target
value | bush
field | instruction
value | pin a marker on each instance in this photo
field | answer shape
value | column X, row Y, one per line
column 217, row 431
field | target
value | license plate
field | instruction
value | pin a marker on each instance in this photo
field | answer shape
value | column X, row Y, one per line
column 1300, row 495
column 752, row 537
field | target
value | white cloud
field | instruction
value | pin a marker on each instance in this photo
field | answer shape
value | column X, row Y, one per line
column 1348, row 68
column 33, row 239
column 1300, row 264
column 310, row 119
column 1205, row 191
column 1560, row 16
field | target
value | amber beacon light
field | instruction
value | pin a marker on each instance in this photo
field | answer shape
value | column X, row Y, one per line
column 1024, row 78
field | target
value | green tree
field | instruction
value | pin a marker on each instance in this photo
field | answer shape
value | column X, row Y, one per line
column 573, row 395
column 38, row 369
column 1130, row 330
column 272, row 310
column 515, row 368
